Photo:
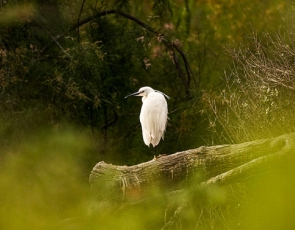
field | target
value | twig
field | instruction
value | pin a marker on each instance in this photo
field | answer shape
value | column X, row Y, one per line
column 173, row 218
column 171, row 45
column 54, row 40
column 81, row 9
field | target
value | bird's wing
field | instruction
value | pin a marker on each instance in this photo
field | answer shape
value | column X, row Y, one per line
column 153, row 118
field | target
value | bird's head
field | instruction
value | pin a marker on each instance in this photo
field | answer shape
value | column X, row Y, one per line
column 143, row 92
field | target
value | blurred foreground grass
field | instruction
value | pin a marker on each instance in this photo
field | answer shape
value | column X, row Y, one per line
column 44, row 185
column 42, row 181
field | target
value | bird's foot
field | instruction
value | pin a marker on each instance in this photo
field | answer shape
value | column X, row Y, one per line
column 161, row 155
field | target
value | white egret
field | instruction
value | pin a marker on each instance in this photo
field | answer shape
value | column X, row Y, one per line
column 153, row 115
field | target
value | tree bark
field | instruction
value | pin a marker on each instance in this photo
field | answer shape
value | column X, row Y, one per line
column 221, row 164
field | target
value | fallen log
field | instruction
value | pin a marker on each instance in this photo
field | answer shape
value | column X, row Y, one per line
column 221, row 164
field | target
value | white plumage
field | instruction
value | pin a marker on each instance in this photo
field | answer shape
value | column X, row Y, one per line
column 153, row 116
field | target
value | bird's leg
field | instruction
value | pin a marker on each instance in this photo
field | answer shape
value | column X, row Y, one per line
column 160, row 155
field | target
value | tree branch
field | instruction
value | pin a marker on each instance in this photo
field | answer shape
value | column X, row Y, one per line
column 223, row 164
column 169, row 44
column 81, row 10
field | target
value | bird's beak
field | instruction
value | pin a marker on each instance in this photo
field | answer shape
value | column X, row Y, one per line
column 133, row 94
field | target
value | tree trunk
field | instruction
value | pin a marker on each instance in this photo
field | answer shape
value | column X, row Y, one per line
column 221, row 164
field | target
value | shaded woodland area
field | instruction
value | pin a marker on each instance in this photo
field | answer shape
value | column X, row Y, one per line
column 65, row 68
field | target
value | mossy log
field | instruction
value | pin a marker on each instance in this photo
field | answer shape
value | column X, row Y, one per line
column 221, row 164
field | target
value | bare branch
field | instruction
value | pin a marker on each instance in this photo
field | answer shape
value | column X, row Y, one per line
column 81, row 9
column 223, row 164
column 169, row 44
column 54, row 40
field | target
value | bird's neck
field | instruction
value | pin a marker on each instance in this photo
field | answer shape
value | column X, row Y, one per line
column 143, row 98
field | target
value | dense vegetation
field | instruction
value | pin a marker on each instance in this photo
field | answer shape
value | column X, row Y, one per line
column 65, row 67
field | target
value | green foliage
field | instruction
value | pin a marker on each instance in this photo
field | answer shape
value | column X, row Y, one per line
column 61, row 65
column 61, row 72
column 43, row 181
column 44, row 186
column 256, row 101
column 162, row 8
